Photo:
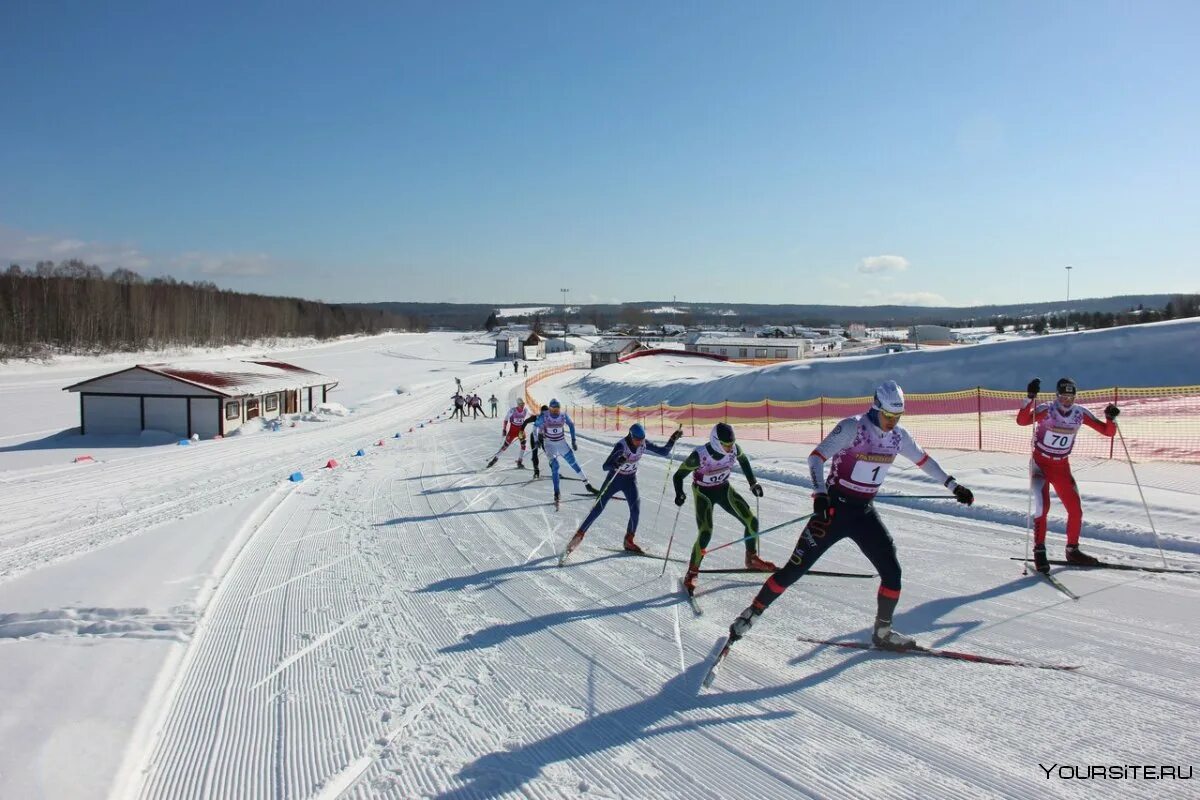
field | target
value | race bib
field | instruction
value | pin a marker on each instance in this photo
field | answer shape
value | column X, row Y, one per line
column 714, row 478
column 869, row 473
column 1058, row 440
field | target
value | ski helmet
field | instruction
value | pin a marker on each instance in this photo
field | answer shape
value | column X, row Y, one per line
column 520, row 402
column 889, row 398
column 722, row 438
column 636, row 431
column 1065, row 386
column 554, row 403
column 545, row 408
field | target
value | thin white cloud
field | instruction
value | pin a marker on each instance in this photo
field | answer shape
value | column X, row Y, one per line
column 229, row 265
column 876, row 264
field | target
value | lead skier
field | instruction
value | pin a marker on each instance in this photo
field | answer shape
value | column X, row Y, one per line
column 1057, row 424
column 862, row 449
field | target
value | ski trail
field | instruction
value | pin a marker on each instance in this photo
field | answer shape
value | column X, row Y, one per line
column 301, row 576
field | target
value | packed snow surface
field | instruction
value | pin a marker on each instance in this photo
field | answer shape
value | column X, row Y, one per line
column 182, row 622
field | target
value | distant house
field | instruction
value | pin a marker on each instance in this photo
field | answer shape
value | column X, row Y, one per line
column 577, row 329
column 610, row 351
column 741, row 348
column 205, row 398
column 555, row 344
column 931, row 334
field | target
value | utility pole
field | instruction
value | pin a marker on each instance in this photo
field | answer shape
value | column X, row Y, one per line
column 564, row 294
column 1068, row 322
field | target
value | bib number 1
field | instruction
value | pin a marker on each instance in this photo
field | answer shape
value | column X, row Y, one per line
column 869, row 473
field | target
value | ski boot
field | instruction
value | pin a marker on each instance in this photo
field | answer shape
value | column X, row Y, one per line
column 537, row 473
column 885, row 638
column 492, row 463
column 631, row 546
column 759, row 565
column 556, row 501
column 743, row 623
column 1040, row 562
column 571, row 545
column 689, row 580
column 1079, row 558
column 591, row 489
column 520, row 464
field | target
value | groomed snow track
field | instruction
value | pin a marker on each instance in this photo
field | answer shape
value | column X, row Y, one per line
column 399, row 629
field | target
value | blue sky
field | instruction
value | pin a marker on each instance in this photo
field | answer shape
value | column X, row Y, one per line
column 792, row 152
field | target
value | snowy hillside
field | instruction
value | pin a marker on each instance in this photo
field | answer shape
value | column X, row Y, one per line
column 1158, row 354
column 182, row 622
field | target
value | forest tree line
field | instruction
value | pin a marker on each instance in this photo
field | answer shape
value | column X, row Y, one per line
column 73, row 307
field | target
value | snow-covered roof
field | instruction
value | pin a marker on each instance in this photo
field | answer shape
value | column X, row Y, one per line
column 746, row 341
column 614, row 345
column 230, row 378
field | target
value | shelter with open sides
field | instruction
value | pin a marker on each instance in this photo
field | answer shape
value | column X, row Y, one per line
column 205, row 398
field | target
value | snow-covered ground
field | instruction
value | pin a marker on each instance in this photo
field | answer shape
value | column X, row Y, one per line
column 181, row 622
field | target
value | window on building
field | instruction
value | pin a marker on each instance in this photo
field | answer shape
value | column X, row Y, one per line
column 272, row 402
column 252, row 408
column 742, row 351
column 760, row 352
column 780, row 352
column 233, row 409
column 724, row 352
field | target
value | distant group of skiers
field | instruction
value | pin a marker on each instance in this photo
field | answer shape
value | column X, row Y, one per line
column 472, row 403
column 859, row 451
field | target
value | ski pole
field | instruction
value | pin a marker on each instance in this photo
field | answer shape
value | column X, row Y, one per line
column 915, row 497
column 667, row 480
column 670, row 542
column 603, row 489
column 758, row 534
column 1145, row 505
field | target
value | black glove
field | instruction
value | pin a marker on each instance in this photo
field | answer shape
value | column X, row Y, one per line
column 675, row 437
column 822, row 513
column 619, row 460
column 1111, row 411
column 1033, row 388
column 575, row 445
column 680, row 498
column 963, row 495
column 756, row 490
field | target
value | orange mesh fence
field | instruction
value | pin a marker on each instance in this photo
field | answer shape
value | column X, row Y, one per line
column 1160, row 423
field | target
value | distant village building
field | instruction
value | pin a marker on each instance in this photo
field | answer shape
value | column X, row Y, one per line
column 741, row 348
column 858, row 330
column 931, row 334
column 204, row 398
column 577, row 329
column 610, row 351
column 826, row 344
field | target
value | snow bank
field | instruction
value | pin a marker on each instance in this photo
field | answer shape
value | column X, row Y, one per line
column 1159, row 354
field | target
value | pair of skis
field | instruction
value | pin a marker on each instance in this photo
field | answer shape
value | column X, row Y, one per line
column 1127, row 567
column 931, row 652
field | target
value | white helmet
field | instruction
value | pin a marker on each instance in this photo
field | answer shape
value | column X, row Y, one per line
column 889, row 397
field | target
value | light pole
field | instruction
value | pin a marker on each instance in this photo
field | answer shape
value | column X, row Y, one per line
column 1069, row 268
column 564, row 294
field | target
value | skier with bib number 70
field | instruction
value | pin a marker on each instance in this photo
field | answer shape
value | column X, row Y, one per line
column 862, row 449
column 1057, row 424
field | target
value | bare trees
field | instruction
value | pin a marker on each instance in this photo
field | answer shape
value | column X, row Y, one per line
column 73, row 307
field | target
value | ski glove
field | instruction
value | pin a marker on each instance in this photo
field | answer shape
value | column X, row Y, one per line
column 675, row 437
column 822, row 514
column 618, row 461
column 575, row 445
column 964, row 495
column 1033, row 388
column 756, row 490
column 680, row 498
column 1111, row 411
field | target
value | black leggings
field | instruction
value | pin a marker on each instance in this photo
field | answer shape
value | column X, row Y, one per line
column 854, row 520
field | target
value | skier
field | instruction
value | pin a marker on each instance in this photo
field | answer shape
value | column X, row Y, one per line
column 526, row 371
column 710, row 466
column 459, row 403
column 534, row 442
column 477, row 407
column 495, row 405
column 862, row 449
column 1057, row 424
column 511, row 429
column 458, row 385
column 514, row 366
column 552, row 426
column 621, row 466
